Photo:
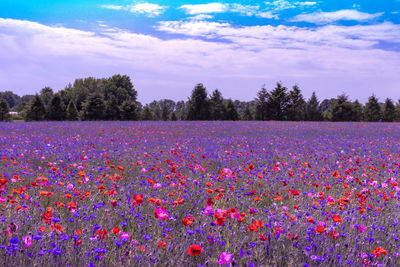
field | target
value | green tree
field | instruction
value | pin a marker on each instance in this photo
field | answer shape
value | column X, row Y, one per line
column 4, row 111
column 277, row 102
column 164, row 113
column 342, row 109
column 372, row 111
column 397, row 111
column 296, row 105
column 147, row 114
column 121, row 87
column 112, row 112
column 357, row 111
column 231, row 112
column 247, row 114
column 36, row 110
column 93, row 108
column 262, row 110
column 313, row 112
column 11, row 98
column 198, row 104
column 72, row 112
column 217, row 107
column 173, row 117
column 129, row 111
column 389, row 111
column 46, row 94
column 56, row 110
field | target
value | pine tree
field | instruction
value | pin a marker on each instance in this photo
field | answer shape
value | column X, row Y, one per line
column 129, row 111
column 313, row 112
column 72, row 112
column 147, row 114
column 217, row 107
column 4, row 111
column 231, row 112
column 198, row 104
column 93, row 108
column 262, row 111
column 36, row 110
column 112, row 112
column 56, row 110
column 296, row 105
column 277, row 102
column 389, row 111
column 372, row 111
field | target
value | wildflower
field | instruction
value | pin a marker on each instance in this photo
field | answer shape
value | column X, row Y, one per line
column 319, row 229
column 225, row 258
column 337, row 218
column 379, row 251
column 160, row 213
column 194, row 250
column 27, row 240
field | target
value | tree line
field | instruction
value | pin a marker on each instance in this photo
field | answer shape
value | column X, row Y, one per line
column 115, row 98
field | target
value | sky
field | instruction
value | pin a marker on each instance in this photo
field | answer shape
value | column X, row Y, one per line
column 167, row 47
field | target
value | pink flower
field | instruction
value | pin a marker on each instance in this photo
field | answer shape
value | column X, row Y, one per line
column 27, row 240
column 156, row 185
column 124, row 236
column 160, row 214
column 70, row 187
column 225, row 258
column 2, row 199
column 226, row 172
column 331, row 199
column 384, row 185
column 208, row 211
column 361, row 228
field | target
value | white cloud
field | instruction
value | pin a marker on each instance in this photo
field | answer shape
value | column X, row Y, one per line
column 205, row 8
column 324, row 58
column 247, row 10
column 267, row 15
column 283, row 4
column 201, row 17
column 148, row 9
column 151, row 10
column 113, row 7
column 328, row 17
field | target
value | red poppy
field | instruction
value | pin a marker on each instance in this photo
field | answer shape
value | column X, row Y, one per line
column 337, row 218
column 115, row 230
column 194, row 250
column 219, row 220
column 379, row 251
column 320, row 229
column 187, row 221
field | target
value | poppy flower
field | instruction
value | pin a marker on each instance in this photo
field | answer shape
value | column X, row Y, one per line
column 194, row 250
column 379, row 251
column 186, row 221
column 337, row 218
column 219, row 220
column 320, row 229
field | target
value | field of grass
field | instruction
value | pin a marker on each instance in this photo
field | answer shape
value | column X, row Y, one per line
column 199, row 194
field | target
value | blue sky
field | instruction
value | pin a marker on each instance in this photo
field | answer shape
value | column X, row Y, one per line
column 166, row 47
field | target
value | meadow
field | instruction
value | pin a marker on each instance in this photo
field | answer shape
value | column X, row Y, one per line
column 199, row 194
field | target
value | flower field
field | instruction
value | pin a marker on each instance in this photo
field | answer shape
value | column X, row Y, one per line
column 199, row 193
